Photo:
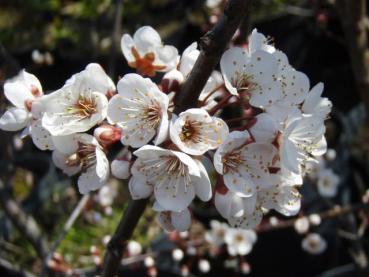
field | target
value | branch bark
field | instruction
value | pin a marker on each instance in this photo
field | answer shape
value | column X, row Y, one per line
column 25, row 224
column 353, row 19
column 212, row 45
column 122, row 234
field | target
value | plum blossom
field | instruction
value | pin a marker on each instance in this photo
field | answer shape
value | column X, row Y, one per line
column 173, row 176
column 146, row 52
column 82, row 153
column 241, row 212
column 140, row 109
column 301, row 140
column 251, row 74
column 24, row 92
column 215, row 236
column 173, row 221
column 315, row 104
column 239, row 242
column 195, row 131
column 244, row 165
column 327, row 183
column 314, row 244
column 80, row 104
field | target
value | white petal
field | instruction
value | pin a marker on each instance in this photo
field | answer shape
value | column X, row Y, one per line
column 126, row 44
column 90, row 181
column 265, row 129
column 202, row 184
column 14, row 119
column 181, row 221
column 247, row 221
column 139, row 188
column 102, row 164
column 174, row 197
column 59, row 160
column 41, row 137
column 228, row 204
column 17, row 93
column 120, row 169
column 65, row 144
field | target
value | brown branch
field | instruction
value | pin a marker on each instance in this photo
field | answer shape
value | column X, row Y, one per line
column 353, row 20
column 25, row 223
column 123, row 233
column 212, row 45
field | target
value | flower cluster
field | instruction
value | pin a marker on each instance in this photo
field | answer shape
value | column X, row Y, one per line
column 257, row 166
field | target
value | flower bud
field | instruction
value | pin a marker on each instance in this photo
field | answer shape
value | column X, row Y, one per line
column 204, row 266
column 107, row 134
column 302, row 225
column 172, row 81
column 120, row 169
column 149, row 261
column 134, row 248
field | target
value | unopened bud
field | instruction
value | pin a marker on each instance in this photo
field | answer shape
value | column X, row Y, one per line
column 172, row 81
column 120, row 169
column 107, row 134
column 302, row 225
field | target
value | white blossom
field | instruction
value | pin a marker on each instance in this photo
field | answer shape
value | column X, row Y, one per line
column 241, row 212
column 204, row 266
column 79, row 105
column 134, row 248
column 315, row 104
column 173, row 221
column 174, row 177
column 177, row 254
column 244, row 165
column 314, row 244
column 302, row 225
column 215, row 236
column 251, row 74
column 195, row 131
column 82, row 153
column 146, row 52
column 327, row 183
column 140, row 109
column 239, row 242
column 301, row 140
column 24, row 92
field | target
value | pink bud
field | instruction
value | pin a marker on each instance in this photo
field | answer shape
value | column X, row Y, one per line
column 107, row 134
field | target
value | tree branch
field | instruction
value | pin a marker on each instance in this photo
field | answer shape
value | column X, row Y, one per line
column 123, row 233
column 212, row 45
column 25, row 224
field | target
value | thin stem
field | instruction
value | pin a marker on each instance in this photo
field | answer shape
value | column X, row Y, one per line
column 222, row 103
column 211, row 93
column 236, row 119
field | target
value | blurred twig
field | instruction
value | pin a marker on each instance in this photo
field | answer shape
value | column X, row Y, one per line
column 25, row 223
column 115, row 40
column 353, row 20
column 14, row 269
column 72, row 218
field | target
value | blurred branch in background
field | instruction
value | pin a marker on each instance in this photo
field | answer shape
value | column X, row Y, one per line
column 116, row 35
column 25, row 223
column 353, row 19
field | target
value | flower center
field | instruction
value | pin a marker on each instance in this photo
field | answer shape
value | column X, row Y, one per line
column 242, row 81
column 85, row 156
column 84, row 107
column 190, row 132
column 144, row 65
column 151, row 115
column 238, row 238
column 231, row 161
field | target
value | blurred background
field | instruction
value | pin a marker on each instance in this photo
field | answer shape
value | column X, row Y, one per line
column 54, row 39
